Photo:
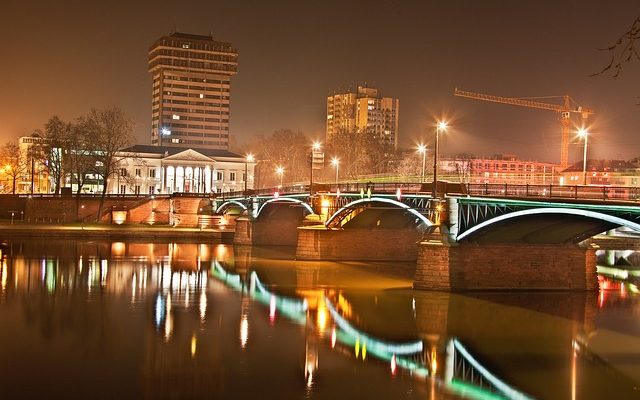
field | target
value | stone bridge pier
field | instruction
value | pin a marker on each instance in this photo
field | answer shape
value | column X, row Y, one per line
column 443, row 265
column 275, row 223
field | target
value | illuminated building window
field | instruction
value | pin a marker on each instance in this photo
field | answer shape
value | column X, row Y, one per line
column 176, row 116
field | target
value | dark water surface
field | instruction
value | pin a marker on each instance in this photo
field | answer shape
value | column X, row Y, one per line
column 114, row 320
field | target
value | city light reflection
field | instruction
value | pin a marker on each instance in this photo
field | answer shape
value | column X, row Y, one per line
column 244, row 331
column 202, row 306
column 194, row 342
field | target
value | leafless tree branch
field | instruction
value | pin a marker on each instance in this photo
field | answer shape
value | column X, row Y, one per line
column 624, row 50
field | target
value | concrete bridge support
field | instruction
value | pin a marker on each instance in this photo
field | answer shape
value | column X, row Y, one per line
column 320, row 243
column 443, row 265
column 268, row 232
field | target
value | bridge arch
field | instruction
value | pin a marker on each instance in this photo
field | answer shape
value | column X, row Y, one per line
column 284, row 200
column 228, row 204
column 359, row 205
column 606, row 220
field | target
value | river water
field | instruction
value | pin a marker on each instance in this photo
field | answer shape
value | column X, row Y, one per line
column 115, row 320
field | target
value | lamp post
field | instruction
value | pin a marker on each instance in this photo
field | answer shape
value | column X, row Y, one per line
column 423, row 149
column 585, row 135
column 249, row 158
column 280, row 171
column 336, row 163
column 442, row 126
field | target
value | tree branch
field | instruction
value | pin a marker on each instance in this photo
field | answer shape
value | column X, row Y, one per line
column 624, row 50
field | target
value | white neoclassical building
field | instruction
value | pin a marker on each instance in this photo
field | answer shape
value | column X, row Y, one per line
column 146, row 169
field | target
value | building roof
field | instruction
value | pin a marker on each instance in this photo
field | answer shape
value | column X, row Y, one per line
column 183, row 35
column 145, row 148
column 200, row 38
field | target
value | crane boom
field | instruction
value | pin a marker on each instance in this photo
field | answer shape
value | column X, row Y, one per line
column 525, row 103
column 564, row 109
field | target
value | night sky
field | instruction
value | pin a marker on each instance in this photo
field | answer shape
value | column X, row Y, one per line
column 65, row 57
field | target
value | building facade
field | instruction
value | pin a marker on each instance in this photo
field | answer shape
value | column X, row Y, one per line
column 502, row 168
column 603, row 173
column 363, row 111
column 165, row 170
column 191, row 77
column 34, row 177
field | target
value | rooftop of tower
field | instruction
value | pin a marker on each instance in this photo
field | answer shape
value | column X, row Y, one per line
column 208, row 39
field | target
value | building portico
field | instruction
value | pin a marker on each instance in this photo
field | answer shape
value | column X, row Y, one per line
column 159, row 170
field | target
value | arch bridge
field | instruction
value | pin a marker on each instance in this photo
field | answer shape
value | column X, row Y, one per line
column 473, row 237
column 470, row 213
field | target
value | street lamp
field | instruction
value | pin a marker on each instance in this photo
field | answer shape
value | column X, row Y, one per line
column 584, row 134
column 423, row 149
column 248, row 159
column 336, row 163
column 280, row 171
column 442, row 126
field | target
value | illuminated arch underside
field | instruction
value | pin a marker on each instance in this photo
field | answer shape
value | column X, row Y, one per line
column 283, row 200
column 226, row 205
column 365, row 210
column 544, row 225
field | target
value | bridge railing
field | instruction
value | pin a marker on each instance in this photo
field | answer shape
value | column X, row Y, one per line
column 626, row 193
column 378, row 187
column 578, row 192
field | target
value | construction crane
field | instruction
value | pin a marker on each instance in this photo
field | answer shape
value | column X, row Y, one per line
column 569, row 106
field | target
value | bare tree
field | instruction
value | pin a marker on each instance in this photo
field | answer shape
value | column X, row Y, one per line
column 13, row 162
column 624, row 50
column 463, row 163
column 284, row 148
column 362, row 153
column 409, row 165
column 56, row 136
column 110, row 131
column 78, row 157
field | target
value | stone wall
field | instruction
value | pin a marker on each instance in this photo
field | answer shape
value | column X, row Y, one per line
column 185, row 211
column 139, row 210
column 320, row 243
column 153, row 211
column 505, row 266
column 63, row 209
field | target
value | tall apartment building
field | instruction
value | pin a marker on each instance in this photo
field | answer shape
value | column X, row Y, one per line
column 363, row 111
column 191, row 91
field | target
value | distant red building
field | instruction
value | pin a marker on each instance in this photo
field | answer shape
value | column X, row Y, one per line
column 502, row 168
column 603, row 173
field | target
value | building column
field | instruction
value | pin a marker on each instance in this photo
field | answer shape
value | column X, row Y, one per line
column 163, row 178
column 214, row 175
column 175, row 179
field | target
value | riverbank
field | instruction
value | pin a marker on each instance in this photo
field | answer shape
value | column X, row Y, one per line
column 109, row 231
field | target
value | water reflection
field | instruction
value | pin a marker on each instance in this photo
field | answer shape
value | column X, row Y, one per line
column 189, row 314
